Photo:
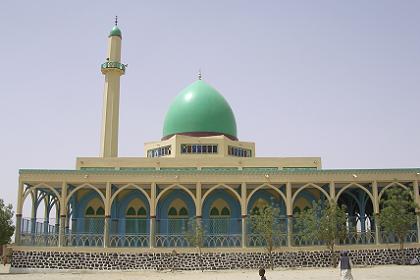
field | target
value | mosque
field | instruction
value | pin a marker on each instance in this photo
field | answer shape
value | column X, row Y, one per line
column 200, row 170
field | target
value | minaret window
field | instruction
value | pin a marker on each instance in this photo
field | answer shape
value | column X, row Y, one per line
column 159, row 152
column 198, row 149
column 239, row 152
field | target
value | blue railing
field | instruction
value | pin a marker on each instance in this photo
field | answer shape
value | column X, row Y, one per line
column 217, row 232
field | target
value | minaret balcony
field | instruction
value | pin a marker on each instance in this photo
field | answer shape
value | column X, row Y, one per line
column 112, row 65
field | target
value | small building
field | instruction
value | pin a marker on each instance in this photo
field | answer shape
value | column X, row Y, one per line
column 198, row 170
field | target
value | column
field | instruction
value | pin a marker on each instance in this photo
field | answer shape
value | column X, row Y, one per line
column 47, row 201
column 417, row 200
column 152, row 226
column 376, row 211
column 63, row 212
column 33, row 215
column 107, row 221
column 19, row 214
column 244, row 216
column 289, row 209
column 198, row 206
column 332, row 190
column 57, row 220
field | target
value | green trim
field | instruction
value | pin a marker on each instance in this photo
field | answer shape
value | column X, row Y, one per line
column 219, row 169
column 299, row 168
column 176, row 169
column 137, row 168
column 261, row 168
column 98, row 168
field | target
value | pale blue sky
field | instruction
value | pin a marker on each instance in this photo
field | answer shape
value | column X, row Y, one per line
column 336, row 79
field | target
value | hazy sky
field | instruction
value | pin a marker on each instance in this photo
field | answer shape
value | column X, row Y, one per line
column 336, row 79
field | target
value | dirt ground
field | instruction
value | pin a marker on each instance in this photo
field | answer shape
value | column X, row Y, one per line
column 359, row 273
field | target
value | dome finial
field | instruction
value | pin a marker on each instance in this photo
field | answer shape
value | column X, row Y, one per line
column 199, row 74
column 116, row 20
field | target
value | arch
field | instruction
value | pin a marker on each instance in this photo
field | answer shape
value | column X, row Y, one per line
column 307, row 196
column 262, row 186
column 100, row 211
column 359, row 205
column 173, row 186
column 120, row 206
column 230, row 200
column 130, row 211
column 223, row 225
column 38, row 186
column 221, row 186
column 142, row 211
column 214, row 212
column 172, row 212
column 390, row 185
column 176, row 224
column 89, row 211
column 127, row 186
column 183, row 212
column 85, row 185
column 306, row 186
column 267, row 196
column 357, row 185
column 177, row 196
column 225, row 212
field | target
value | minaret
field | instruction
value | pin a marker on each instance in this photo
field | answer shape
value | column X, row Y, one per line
column 112, row 69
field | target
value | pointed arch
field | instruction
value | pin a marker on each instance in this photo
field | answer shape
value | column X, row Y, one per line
column 221, row 186
column 306, row 186
column 389, row 186
column 127, row 186
column 82, row 186
column 172, row 187
column 38, row 186
column 262, row 186
column 357, row 185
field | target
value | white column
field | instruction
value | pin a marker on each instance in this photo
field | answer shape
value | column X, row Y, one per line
column 244, row 216
column 332, row 190
column 289, row 209
column 63, row 214
column 376, row 211
column 152, row 225
column 19, row 214
column 107, row 220
column 417, row 200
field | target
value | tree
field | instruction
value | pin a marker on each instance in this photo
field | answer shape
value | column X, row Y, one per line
column 265, row 223
column 6, row 224
column 325, row 222
column 195, row 237
column 398, row 216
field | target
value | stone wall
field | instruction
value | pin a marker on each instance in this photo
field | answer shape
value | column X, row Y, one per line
column 24, row 260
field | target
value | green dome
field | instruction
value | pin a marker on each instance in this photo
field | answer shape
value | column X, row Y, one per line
column 115, row 32
column 199, row 110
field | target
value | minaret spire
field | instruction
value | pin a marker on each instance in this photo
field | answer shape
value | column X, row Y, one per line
column 113, row 69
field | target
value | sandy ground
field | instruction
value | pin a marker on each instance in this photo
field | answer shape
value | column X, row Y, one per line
column 359, row 273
